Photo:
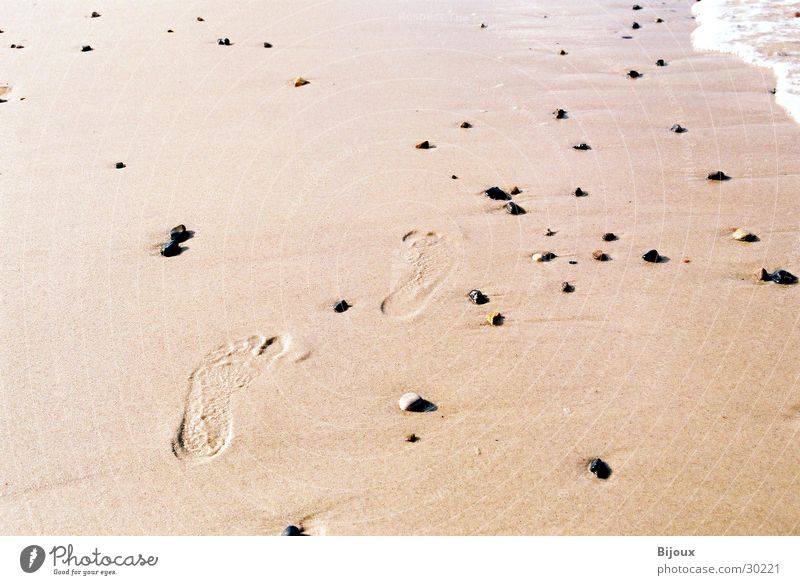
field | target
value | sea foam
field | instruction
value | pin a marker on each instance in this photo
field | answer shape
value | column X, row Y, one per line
column 761, row 32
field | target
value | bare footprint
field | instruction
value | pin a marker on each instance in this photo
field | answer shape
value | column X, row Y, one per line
column 207, row 425
column 420, row 268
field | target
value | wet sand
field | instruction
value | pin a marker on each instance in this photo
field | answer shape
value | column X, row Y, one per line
column 218, row 392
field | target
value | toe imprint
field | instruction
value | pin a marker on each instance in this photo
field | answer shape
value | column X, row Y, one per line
column 420, row 267
column 207, row 425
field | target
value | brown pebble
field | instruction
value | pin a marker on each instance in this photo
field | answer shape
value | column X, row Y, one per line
column 424, row 145
column 600, row 255
column 465, row 125
column 495, row 319
column 200, row 19
column 412, row 438
column 299, row 82
column 515, row 190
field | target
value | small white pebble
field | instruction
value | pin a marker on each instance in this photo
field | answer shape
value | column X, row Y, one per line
column 408, row 400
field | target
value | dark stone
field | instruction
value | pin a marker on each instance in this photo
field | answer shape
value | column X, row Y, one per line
column 609, row 237
column 95, row 15
column 466, row 125
column 599, row 468
column 582, row 146
column 678, row 129
column 637, row 7
column 514, row 209
column 560, row 114
column 563, row 52
column 633, row 74
column 171, row 248
column 627, row 37
column 120, row 165
column 651, row 256
column 483, row 25
column 169, row 30
column 718, row 176
column 661, row 63
column 580, row 192
column 636, row 25
column 453, row 177
column 779, row 276
column 267, row 45
column 179, row 233
column 292, row 530
column 477, row 297
column 497, row 194
column 549, row 233
column 515, row 190
column 424, row 145
column 567, row 287
column 496, row 319
column 200, row 19
column 341, row 306
column 573, row 261
column 224, row 41
column 600, row 256
column 659, row 20
column 86, row 48
column 412, row 438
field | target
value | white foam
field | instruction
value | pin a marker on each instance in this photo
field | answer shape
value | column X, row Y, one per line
column 761, row 32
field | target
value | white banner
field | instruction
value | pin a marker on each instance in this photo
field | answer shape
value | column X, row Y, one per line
column 399, row 560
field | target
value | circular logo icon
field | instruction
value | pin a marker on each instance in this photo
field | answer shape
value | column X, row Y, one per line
column 31, row 558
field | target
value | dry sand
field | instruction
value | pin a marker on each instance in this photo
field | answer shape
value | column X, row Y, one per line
column 682, row 376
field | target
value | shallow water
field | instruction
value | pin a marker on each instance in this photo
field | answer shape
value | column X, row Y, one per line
column 762, row 32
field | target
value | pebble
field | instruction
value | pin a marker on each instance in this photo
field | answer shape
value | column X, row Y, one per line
column 636, row 7
column 659, row 20
column 678, row 129
column 299, row 82
column 515, row 190
column 341, row 306
column 514, row 209
column 95, row 15
column 497, row 194
column 636, row 25
column 477, row 297
column 651, row 256
column 169, row 30
column 86, row 48
column 718, row 176
column 465, row 125
column 779, row 276
column 413, row 402
column 224, row 42
column 563, row 52
column 483, row 25
column 119, row 165
column 453, row 177
column 560, row 114
column 494, row 319
column 600, row 255
column 599, row 468
column 412, row 438
column 609, row 237
column 200, row 19
column 543, row 256
column 549, row 233
column 267, row 45
column 292, row 530
column 573, row 261
column 567, row 287
column 171, row 248
column 633, row 74
column 179, row 233
column 424, row 145
column 743, row 235
column 582, row 146
column 580, row 192
column 661, row 63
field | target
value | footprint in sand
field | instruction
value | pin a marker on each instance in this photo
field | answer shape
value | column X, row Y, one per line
column 420, row 268
column 207, row 425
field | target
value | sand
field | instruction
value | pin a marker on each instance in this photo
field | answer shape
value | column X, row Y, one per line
column 217, row 392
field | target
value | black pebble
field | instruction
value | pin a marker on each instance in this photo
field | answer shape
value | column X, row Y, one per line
column 560, row 114
column 582, row 146
column 424, row 145
column 292, row 530
column 95, row 15
column 514, row 209
column 599, row 468
column 497, row 194
column 718, row 176
column 627, row 37
column 171, row 248
column 267, row 45
column 580, row 192
column 661, row 63
column 179, row 233
column 659, row 20
column 633, row 74
column 651, row 256
column 169, row 30
column 453, row 177
column 224, row 41
column 341, row 306
column 567, row 287
column 636, row 25
column 477, row 297
column 609, row 237
column 563, row 52
column 573, row 261
column 483, row 25
column 120, row 165
column 637, row 7
column 549, row 233
column 678, row 129
column 466, row 125
column 779, row 276
column 86, row 48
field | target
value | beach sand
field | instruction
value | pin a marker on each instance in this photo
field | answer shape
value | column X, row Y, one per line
column 217, row 392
